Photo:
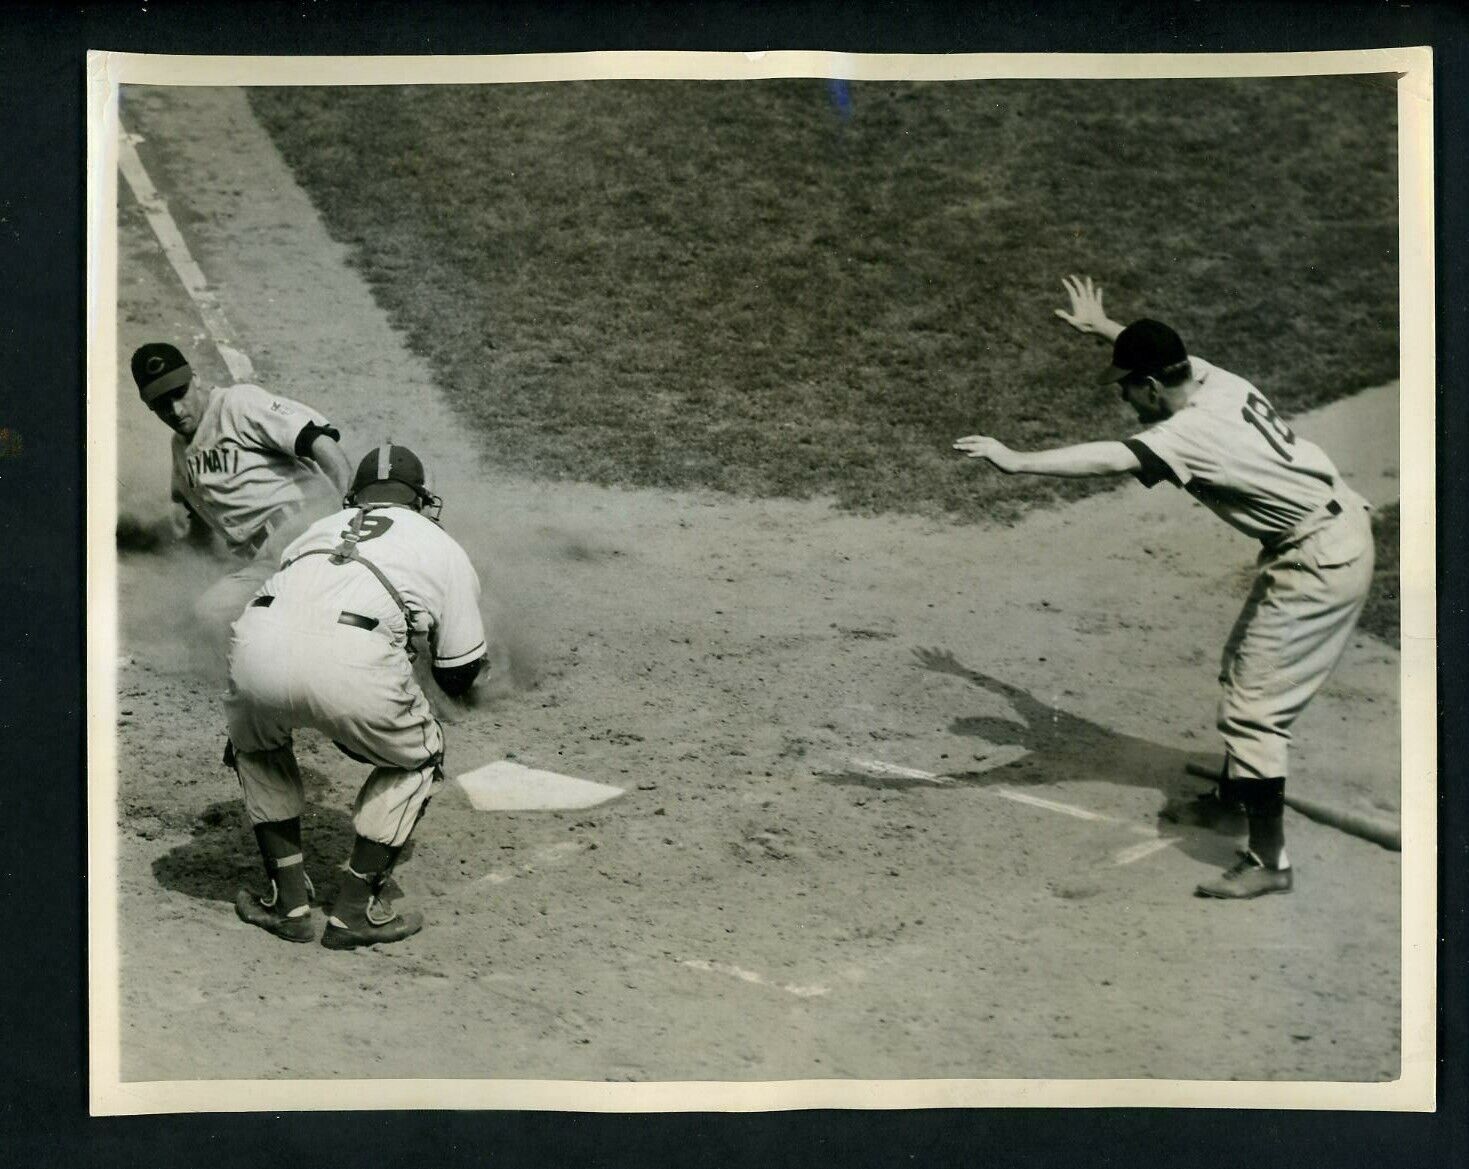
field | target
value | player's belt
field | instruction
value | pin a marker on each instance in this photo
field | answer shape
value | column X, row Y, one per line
column 357, row 620
column 250, row 547
column 1306, row 527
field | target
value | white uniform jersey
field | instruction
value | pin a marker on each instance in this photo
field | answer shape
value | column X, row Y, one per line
column 427, row 567
column 1231, row 451
column 246, row 461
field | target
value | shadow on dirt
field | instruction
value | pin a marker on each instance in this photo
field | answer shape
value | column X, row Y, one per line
column 220, row 856
column 1061, row 746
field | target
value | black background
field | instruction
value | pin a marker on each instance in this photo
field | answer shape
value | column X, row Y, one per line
column 43, row 1013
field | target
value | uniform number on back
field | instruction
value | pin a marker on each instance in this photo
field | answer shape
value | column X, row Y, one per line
column 1262, row 416
column 371, row 527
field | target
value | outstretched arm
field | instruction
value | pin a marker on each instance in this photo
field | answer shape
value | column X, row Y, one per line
column 1087, row 314
column 1082, row 461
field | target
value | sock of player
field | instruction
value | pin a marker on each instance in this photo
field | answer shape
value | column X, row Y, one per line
column 366, row 869
column 280, row 848
column 1265, row 805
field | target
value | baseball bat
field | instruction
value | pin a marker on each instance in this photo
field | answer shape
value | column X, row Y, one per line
column 1380, row 832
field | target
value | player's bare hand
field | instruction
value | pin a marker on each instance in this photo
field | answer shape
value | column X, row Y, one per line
column 1086, row 314
column 981, row 446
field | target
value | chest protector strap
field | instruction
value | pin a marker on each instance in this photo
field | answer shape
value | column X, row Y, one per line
column 347, row 552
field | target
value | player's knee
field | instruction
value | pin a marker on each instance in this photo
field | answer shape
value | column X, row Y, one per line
column 271, row 784
column 392, row 802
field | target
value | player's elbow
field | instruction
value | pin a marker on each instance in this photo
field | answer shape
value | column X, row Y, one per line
column 1116, row 459
column 455, row 681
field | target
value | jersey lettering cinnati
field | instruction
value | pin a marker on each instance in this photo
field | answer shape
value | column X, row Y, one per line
column 241, row 465
column 431, row 572
column 1231, row 451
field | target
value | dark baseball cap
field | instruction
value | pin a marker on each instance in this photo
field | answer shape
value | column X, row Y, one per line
column 1145, row 347
column 159, row 369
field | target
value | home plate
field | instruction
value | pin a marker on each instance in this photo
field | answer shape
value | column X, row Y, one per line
column 510, row 787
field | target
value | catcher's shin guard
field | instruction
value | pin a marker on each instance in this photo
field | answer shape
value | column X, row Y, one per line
column 361, row 915
column 280, row 848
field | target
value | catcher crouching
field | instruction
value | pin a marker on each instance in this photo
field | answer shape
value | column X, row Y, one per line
column 326, row 643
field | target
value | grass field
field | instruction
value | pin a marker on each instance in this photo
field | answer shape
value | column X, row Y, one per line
column 778, row 288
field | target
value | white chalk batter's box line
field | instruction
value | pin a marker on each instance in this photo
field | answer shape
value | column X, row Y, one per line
column 1003, row 758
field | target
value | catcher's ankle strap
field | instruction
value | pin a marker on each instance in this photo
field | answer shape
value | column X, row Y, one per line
column 374, row 913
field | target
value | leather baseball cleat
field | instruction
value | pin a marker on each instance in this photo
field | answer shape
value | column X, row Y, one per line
column 254, row 911
column 1247, row 878
column 376, row 923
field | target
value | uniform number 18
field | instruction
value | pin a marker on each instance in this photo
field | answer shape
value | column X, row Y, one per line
column 1262, row 416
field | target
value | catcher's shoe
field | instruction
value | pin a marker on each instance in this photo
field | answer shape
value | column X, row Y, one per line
column 1248, row 877
column 368, row 925
column 262, row 912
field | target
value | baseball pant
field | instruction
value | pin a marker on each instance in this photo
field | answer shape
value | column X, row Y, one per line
column 298, row 666
column 1292, row 631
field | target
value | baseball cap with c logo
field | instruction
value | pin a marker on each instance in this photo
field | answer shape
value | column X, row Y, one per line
column 159, row 369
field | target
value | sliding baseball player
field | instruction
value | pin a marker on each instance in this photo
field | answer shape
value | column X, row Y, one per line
column 249, row 467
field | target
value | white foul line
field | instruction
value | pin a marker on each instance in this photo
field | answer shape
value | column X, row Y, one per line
column 1000, row 757
column 892, row 770
column 743, row 975
column 1006, row 755
column 1146, row 848
column 1125, row 856
column 1050, row 805
column 177, row 251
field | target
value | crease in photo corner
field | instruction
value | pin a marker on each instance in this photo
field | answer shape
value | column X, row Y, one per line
column 113, row 1097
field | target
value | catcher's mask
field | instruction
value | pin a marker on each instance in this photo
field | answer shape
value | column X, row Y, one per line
column 397, row 475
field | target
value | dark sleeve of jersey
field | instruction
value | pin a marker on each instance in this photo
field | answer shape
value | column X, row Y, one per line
column 456, row 680
column 310, row 433
column 1153, row 470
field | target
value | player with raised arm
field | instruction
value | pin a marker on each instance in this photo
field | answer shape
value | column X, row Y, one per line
column 327, row 643
column 1217, row 437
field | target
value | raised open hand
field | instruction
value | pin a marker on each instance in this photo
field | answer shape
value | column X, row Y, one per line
column 1086, row 314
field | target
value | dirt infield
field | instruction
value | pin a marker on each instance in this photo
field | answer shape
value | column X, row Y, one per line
column 756, row 906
